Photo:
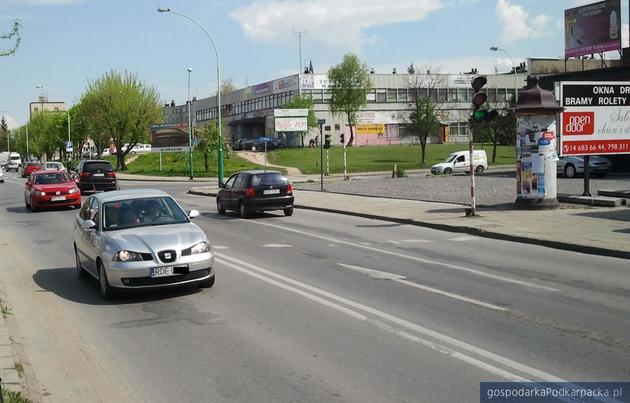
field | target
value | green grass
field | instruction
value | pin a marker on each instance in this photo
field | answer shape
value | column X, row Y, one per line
column 14, row 397
column 380, row 158
column 176, row 164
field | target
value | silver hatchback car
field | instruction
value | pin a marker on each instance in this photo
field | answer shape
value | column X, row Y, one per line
column 138, row 239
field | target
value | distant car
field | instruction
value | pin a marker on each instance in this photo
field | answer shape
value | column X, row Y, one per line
column 96, row 175
column 105, row 152
column 571, row 166
column 29, row 168
column 243, row 144
column 253, row 191
column 48, row 189
column 14, row 163
column 1, row 175
column 272, row 143
column 56, row 166
column 145, row 240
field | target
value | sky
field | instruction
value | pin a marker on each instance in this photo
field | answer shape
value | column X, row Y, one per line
column 66, row 44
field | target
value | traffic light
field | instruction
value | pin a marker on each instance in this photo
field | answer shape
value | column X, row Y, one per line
column 342, row 138
column 480, row 113
column 327, row 140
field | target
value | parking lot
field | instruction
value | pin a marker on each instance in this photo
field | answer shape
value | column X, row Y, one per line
column 494, row 188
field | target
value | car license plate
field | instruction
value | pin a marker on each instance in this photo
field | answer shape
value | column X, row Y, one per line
column 57, row 198
column 98, row 175
column 161, row 271
column 271, row 191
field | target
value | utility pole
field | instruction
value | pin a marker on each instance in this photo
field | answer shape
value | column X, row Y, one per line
column 298, row 34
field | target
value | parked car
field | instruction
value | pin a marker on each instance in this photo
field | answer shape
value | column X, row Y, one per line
column 54, row 165
column 146, row 240
column 30, row 167
column 243, row 144
column 49, row 189
column 256, row 190
column 105, row 152
column 1, row 175
column 460, row 162
column 571, row 166
column 96, row 175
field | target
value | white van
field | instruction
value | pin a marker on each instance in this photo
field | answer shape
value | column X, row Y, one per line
column 15, row 162
column 459, row 162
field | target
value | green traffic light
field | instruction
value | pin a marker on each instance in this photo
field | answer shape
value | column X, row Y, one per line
column 481, row 115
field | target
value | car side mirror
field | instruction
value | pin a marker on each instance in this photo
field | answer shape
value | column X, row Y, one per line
column 88, row 224
column 222, row 185
column 193, row 213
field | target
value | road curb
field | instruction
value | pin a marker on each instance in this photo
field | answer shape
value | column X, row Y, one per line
column 590, row 250
column 8, row 372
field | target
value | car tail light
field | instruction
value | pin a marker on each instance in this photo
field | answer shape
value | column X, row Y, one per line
column 84, row 174
column 111, row 174
column 289, row 188
column 250, row 192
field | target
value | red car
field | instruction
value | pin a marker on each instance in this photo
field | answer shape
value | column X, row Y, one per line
column 29, row 168
column 46, row 189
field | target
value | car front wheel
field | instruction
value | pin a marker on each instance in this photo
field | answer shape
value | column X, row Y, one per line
column 479, row 170
column 448, row 171
column 103, row 284
column 220, row 208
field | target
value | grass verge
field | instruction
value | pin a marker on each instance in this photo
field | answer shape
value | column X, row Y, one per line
column 380, row 158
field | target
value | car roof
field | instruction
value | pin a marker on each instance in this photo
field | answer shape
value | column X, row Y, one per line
column 96, row 161
column 129, row 194
column 260, row 171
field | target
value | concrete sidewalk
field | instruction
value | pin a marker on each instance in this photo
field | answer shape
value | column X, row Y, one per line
column 593, row 230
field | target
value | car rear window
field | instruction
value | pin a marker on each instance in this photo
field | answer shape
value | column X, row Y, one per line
column 98, row 166
column 269, row 179
column 33, row 164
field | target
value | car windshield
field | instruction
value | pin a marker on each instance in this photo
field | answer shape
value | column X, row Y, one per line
column 269, row 179
column 53, row 165
column 450, row 158
column 52, row 178
column 142, row 212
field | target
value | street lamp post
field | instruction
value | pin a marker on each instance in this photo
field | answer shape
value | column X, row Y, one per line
column 8, row 136
column 216, row 53
column 496, row 49
column 64, row 101
column 190, row 155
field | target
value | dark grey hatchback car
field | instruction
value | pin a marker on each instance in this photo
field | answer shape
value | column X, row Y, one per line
column 96, row 175
column 254, row 191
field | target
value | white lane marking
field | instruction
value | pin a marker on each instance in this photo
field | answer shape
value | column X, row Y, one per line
column 462, row 239
column 220, row 247
column 365, row 243
column 277, row 245
column 244, row 266
column 416, row 240
column 383, row 275
column 414, row 258
column 394, row 242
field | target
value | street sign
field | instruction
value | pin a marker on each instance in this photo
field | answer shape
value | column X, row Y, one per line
column 321, row 121
column 69, row 147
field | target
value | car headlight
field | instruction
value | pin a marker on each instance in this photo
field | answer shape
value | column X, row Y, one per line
column 201, row 247
column 127, row 256
column 40, row 193
column 73, row 190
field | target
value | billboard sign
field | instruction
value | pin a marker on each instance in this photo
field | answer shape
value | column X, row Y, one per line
column 370, row 128
column 596, row 118
column 593, row 28
column 290, row 112
column 298, row 124
column 169, row 138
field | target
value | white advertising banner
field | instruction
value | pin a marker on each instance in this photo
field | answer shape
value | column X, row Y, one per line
column 596, row 117
column 382, row 117
column 290, row 112
column 291, row 124
column 314, row 81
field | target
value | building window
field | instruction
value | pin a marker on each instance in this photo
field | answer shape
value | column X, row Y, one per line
column 433, row 94
column 391, row 95
column 442, row 95
column 462, row 95
column 452, row 95
column 327, row 96
column 337, row 126
column 371, row 96
column 492, row 94
column 402, row 95
column 510, row 94
column 501, row 94
column 381, row 95
column 317, row 96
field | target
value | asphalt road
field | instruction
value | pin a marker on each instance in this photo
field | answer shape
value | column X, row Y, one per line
column 314, row 307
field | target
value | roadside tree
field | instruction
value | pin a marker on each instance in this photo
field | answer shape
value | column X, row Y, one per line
column 13, row 34
column 121, row 108
column 426, row 110
column 208, row 136
column 349, row 85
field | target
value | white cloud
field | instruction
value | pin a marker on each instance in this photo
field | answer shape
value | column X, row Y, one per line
column 516, row 23
column 336, row 23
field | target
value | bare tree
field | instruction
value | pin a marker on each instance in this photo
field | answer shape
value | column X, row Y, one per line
column 14, row 33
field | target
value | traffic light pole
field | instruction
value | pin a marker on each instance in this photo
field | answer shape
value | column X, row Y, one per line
column 473, row 204
column 321, row 155
column 327, row 163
